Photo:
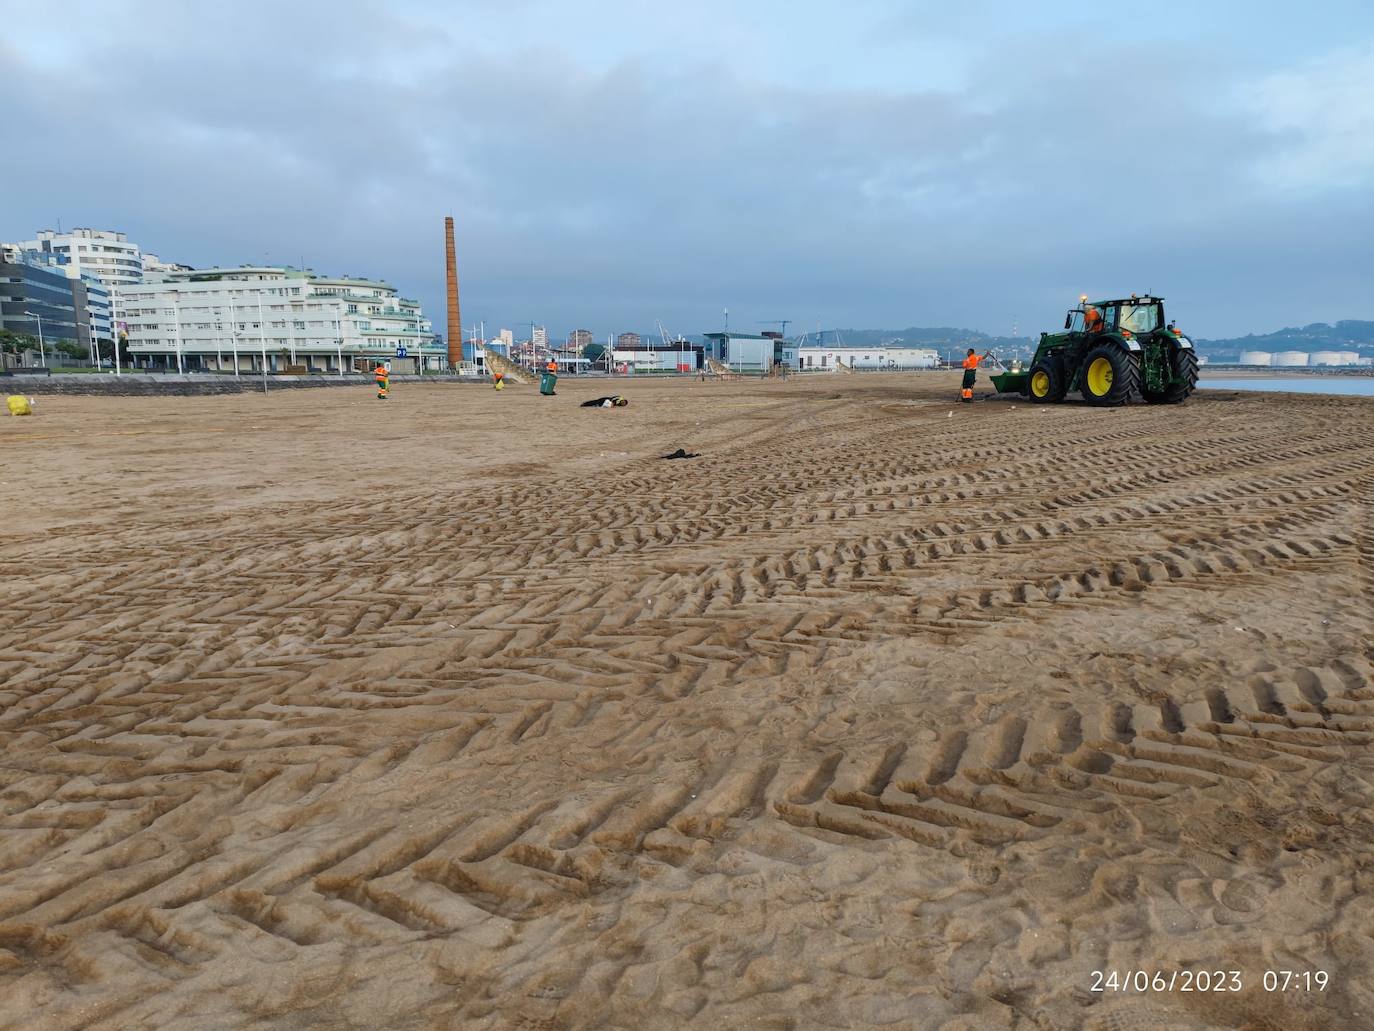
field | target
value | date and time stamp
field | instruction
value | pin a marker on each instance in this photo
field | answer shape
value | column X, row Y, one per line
column 1140, row 982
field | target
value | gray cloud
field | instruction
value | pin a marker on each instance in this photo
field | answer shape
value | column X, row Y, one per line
column 607, row 191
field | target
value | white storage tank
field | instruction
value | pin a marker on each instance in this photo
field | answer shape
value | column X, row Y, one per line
column 1335, row 358
column 1291, row 359
column 1256, row 358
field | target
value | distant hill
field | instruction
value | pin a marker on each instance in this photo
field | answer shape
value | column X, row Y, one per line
column 1346, row 335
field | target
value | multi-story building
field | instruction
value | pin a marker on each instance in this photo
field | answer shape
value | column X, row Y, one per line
column 36, row 300
column 506, row 337
column 628, row 342
column 103, row 253
column 539, row 338
column 579, row 340
column 40, row 299
column 253, row 317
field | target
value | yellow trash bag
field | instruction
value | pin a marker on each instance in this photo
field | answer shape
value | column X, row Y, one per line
column 19, row 405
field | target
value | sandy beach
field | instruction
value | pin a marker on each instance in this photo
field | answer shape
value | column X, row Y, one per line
column 467, row 710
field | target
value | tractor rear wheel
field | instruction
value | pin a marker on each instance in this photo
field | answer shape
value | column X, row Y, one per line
column 1047, row 383
column 1111, row 376
column 1183, row 363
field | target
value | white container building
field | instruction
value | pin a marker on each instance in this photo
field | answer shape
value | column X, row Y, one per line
column 820, row 359
column 648, row 358
column 1291, row 359
column 1256, row 358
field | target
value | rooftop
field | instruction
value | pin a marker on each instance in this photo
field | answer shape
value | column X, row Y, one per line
column 85, row 234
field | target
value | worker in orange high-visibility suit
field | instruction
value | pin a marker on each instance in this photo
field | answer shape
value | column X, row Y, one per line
column 1092, row 320
column 970, row 374
column 383, row 381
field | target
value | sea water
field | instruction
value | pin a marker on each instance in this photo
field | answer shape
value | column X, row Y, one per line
column 1360, row 386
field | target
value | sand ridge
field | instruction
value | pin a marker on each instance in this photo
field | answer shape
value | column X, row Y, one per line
column 467, row 709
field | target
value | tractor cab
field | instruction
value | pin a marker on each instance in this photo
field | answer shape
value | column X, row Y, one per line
column 1131, row 316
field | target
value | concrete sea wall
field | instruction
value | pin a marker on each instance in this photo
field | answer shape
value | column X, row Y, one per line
column 191, row 385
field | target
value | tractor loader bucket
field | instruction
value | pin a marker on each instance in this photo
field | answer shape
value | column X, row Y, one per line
column 1010, row 382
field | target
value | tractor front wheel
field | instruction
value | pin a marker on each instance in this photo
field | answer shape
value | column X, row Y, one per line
column 1047, row 383
column 1110, row 377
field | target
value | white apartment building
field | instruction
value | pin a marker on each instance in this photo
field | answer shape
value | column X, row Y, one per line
column 252, row 317
column 103, row 253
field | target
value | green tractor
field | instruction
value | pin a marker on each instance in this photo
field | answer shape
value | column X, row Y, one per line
column 1114, row 353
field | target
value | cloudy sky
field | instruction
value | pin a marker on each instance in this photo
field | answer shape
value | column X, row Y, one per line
column 868, row 164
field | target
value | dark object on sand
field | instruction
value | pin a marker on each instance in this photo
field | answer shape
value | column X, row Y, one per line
column 613, row 401
column 679, row 453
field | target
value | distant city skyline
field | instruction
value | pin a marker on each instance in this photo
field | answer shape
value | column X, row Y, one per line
column 67, row 241
column 615, row 165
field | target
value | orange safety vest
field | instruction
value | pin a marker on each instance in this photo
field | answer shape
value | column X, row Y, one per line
column 1092, row 320
column 551, row 367
column 382, row 374
column 971, row 362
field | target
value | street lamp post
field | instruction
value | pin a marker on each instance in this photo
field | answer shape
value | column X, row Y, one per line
column 262, row 342
column 292, row 337
column 234, row 333
column 176, row 325
column 114, row 335
column 42, row 351
column 419, row 345
column 338, row 340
